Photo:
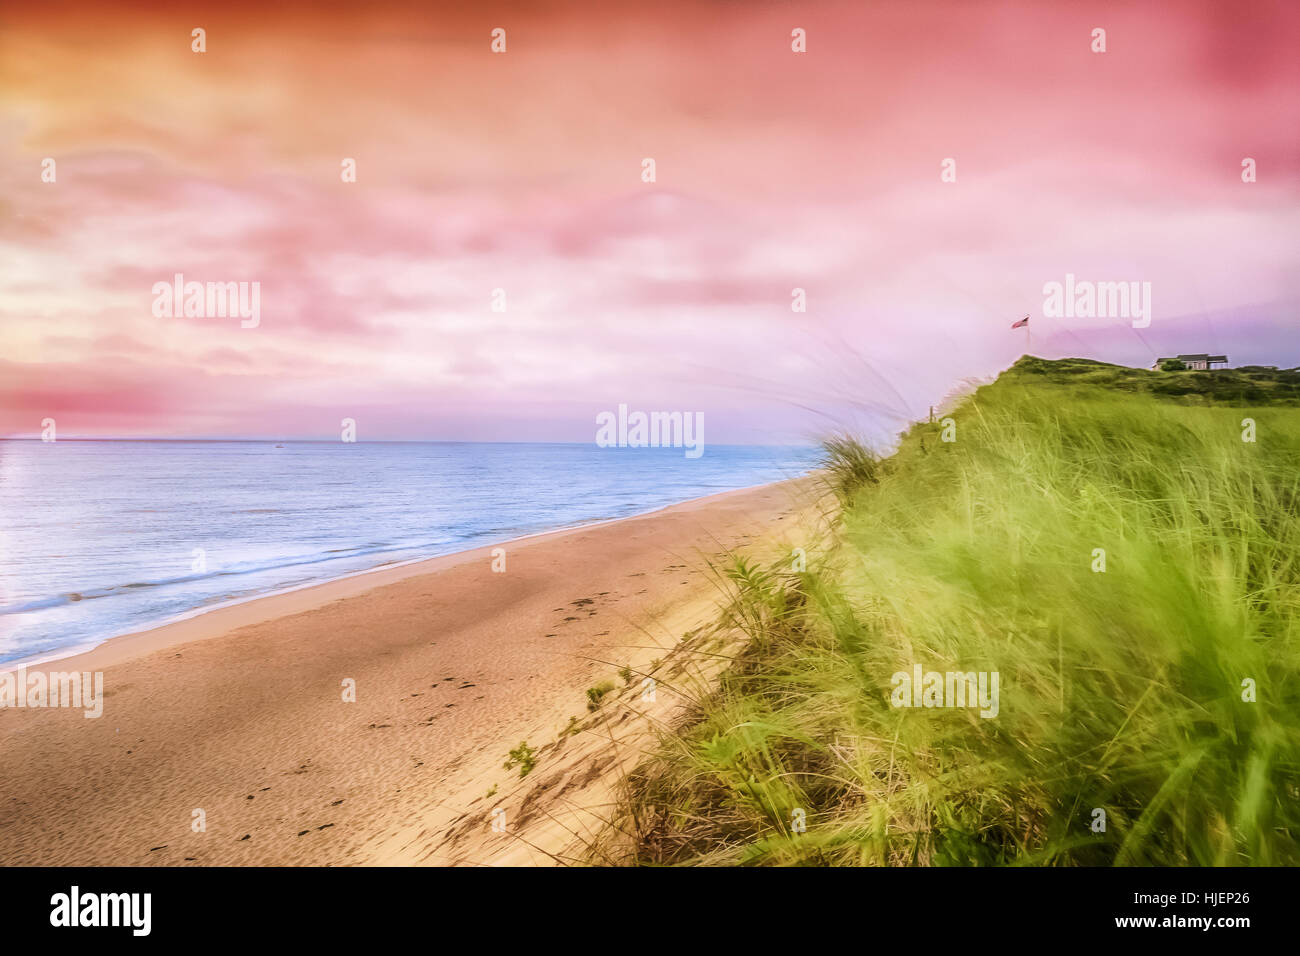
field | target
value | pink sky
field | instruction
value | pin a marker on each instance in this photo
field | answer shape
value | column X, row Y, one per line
column 521, row 171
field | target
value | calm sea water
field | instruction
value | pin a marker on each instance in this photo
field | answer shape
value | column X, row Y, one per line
column 99, row 539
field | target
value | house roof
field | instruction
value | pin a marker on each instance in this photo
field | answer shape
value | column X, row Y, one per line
column 1199, row 357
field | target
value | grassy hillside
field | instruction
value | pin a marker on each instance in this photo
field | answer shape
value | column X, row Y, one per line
column 1121, row 690
column 1247, row 385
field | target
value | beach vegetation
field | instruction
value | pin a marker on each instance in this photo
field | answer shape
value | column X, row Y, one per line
column 596, row 694
column 1119, row 553
column 524, row 757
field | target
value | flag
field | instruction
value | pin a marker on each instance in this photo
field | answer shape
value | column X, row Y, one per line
column 1022, row 322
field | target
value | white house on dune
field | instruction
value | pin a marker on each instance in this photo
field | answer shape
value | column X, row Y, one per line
column 1201, row 362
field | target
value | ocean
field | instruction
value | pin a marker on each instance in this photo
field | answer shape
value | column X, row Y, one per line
column 103, row 538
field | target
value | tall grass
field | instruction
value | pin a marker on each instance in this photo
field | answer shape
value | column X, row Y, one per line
column 1121, row 691
column 849, row 468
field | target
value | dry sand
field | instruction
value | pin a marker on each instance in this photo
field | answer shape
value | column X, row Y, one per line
column 240, row 712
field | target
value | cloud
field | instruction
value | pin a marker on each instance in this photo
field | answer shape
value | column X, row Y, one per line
column 522, row 172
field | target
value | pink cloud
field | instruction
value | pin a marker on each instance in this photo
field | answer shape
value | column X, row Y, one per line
column 776, row 171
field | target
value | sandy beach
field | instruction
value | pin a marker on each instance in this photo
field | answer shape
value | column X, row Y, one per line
column 236, row 719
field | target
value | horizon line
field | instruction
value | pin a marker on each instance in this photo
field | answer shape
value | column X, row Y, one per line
column 392, row 441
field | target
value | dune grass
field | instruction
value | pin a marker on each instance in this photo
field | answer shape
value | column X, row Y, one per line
column 1124, row 692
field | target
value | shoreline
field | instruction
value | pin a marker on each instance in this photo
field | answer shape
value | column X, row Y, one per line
column 410, row 567
column 365, row 720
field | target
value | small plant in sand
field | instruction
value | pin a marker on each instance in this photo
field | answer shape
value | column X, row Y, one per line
column 524, row 757
column 572, row 728
column 492, row 792
column 595, row 694
column 626, row 674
